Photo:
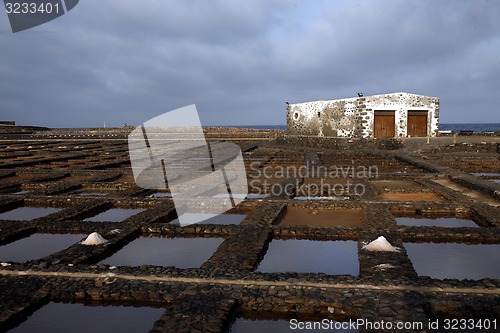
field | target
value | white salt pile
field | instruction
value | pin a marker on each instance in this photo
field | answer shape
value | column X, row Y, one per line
column 380, row 244
column 94, row 239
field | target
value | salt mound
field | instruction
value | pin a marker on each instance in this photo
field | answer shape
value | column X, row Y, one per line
column 380, row 244
column 94, row 239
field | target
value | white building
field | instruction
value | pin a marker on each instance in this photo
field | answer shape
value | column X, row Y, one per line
column 378, row 116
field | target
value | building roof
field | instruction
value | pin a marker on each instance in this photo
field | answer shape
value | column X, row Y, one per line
column 354, row 98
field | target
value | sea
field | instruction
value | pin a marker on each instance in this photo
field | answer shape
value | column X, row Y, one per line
column 455, row 128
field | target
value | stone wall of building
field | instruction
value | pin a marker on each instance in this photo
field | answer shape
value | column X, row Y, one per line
column 354, row 117
column 337, row 118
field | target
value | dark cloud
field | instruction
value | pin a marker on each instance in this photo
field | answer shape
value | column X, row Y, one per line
column 126, row 61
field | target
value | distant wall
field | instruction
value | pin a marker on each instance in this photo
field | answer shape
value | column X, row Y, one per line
column 7, row 123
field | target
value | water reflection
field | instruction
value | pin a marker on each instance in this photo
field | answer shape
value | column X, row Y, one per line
column 27, row 213
column 161, row 195
column 302, row 198
column 330, row 257
column 243, row 196
column 178, row 252
column 486, row 174
column 79, row 318
column 37, row 246
column 455, row 261
column 448, row 222
column 114, row 215
column 21, row 192
column 94, row 194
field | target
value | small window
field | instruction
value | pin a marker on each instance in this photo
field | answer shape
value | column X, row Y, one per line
column 296, row 115
column 319, row 114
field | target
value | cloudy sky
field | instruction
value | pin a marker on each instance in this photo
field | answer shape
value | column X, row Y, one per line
column 123, row 61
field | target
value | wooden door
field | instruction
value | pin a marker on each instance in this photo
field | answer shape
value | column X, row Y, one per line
column 384, row 125
column 417, row 124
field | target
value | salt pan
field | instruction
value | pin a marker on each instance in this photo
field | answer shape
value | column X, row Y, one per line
column 380, row 244
column 94, row 239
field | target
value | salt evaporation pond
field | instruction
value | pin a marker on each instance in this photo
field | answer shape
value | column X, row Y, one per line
column 114, row 215
column 37, row 246
column 79, row 318
column 330, row 257
column 304, row 198
column 211, row 218
column 243, row 196
column 242, row 325
column 27, row 213
column 178, row 252
column 21, row 192
column 448, row 222
column 486, row 174
column 250, row 196
column 454, row 260
column 222, row 196
column 162, row 195
column 94, row 194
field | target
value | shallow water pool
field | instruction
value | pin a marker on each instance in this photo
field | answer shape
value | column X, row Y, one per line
column 302, row 256
column 37, row 246
column 178, row 252
column 94, row 194
column 114, row 215
column 162, row 195
column 448, row 222
column 21, row 192
column 27, row 213
column 211, row 218
column 454, row 260
column 486, row 174
column 243, row 196
column 79, row 318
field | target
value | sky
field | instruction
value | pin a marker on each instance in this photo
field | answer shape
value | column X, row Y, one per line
column 119, row 62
